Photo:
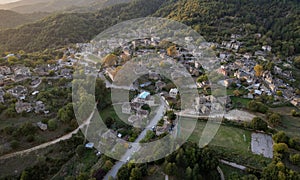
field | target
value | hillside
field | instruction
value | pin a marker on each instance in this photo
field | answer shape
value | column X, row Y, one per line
column 30, row 6
column 62, row 29
column 11, row 5
column 215, row 20
column 11, row 19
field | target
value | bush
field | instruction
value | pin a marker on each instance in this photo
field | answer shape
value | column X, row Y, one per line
column 274, row 119
column 14, row 144
column 10, row 112
column 257, row 107
column 259, row 124
column 80, row 150
column 295, row 159
column 280, row 148
column 294, row 143
column 27, row 129
column 30, row 138
column 295, row 113
column 52, row 124
column 280, row 137
column 8, row 130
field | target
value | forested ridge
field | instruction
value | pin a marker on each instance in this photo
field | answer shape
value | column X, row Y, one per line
column 277, row 21
column 11, row 19
column 65, row 28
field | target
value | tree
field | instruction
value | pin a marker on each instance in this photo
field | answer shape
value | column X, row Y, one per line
column 108, row 165
column 27, row 129
column 135, row 174
column 297, row 61
column 168, row 169
column 274, row 119
column 146, row 107
column 257, row 106
column 12, row 60
column 280, row 148
column 51, row 73
column 196, row 172
column 295, row 113
column 52, row 124
column 293, row 143
column 109, row 121
column 202, row 78
column 259, row 124
column 280, row 137
column 279, row 93
column 295, row 159
column 80, row 150
column 24, row 175
column 82, row 176
column 188, row 173
column 66, row 114
column 14, row 144
column 258, row 70
column 171, row 115
column 10, row 112
column 123, row 173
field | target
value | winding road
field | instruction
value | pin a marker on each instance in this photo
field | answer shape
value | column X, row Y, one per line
column 41, row 146
column 135, row 145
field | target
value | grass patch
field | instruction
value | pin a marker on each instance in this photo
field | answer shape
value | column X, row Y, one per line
column 290, row 125
column 229, row 137
column 239, row 102
column 111, row 112
column 230, row 171
column 229, row 143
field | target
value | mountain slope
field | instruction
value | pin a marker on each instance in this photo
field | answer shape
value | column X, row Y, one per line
column 11, row 19
column 62, row 29
column 30, row 6
column 11, row 5
column 216, row 20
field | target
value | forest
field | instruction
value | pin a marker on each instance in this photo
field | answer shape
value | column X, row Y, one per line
column 216, row 20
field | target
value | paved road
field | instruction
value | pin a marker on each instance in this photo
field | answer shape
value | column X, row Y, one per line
column 221, row 173
column 135, row 146
column 65, row 137
column 241, row 167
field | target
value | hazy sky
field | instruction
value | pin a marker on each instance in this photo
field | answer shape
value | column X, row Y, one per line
column 7, row 1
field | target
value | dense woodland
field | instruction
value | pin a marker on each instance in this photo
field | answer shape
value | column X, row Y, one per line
column 215, row 20
column 62, row 29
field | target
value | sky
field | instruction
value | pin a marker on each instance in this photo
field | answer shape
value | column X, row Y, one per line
column 7, row 1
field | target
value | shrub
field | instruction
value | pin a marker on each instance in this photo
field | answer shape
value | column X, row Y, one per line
column 52, row 124
column 295, row 159
column 14, row 144
column 280, row 148
column 259, row 124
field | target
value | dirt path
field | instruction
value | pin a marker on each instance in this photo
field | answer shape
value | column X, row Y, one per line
column 41, row 146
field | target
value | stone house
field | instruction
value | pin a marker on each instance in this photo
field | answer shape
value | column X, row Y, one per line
column 126, row 108
column 42, row 126
column 173, row 92
column 23, row 107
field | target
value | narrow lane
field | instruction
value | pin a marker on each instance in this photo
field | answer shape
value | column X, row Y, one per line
column 135, row 146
